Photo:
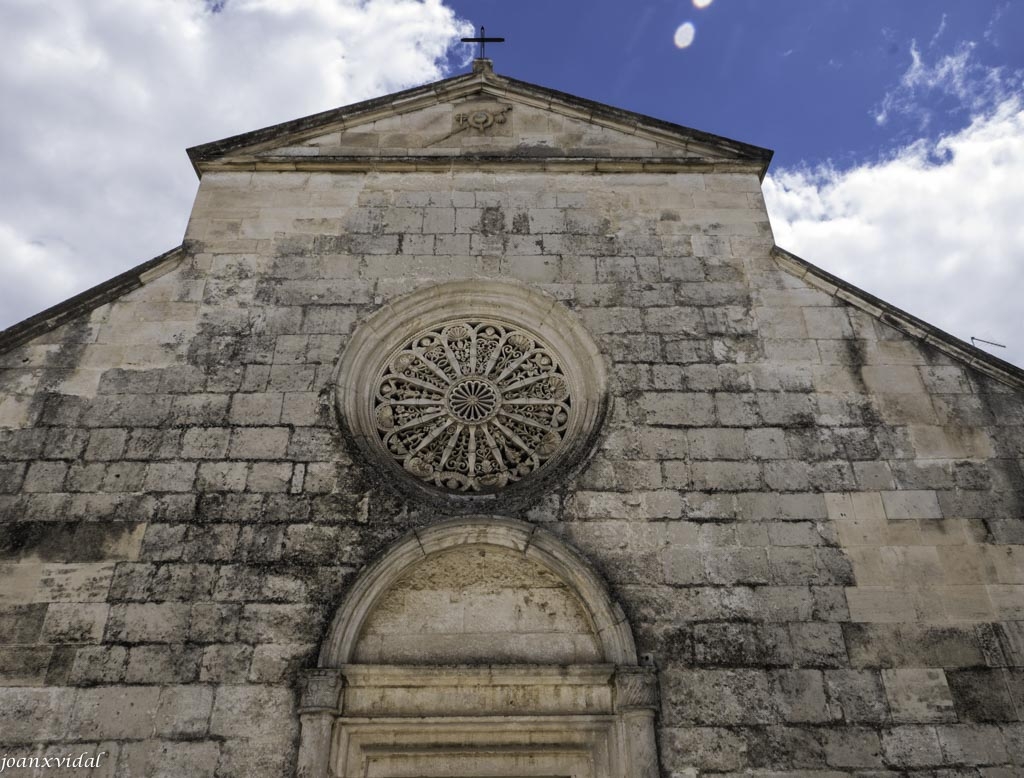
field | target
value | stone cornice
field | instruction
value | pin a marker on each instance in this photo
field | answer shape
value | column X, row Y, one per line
column 406, row 164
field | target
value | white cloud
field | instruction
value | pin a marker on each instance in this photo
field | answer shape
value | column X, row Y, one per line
column 935, row 229
column 938, row 32
column 957, row 77
column 101, row 99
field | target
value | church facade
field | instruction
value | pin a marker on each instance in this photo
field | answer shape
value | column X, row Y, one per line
column 482, row 430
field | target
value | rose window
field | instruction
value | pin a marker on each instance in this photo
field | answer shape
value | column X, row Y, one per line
column 472, row 405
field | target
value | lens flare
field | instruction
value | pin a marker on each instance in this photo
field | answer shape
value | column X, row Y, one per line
column 684, row 35
column 702, row 3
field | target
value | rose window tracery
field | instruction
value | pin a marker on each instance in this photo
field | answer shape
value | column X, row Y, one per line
column 472, row 405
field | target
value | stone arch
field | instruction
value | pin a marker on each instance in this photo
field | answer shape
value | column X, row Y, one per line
column 586, row 713
column 610, row 625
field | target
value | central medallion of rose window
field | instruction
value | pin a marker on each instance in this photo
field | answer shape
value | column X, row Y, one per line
column 472, row 405
column 473, row 400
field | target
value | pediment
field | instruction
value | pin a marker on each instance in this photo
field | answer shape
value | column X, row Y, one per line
column 478, row 116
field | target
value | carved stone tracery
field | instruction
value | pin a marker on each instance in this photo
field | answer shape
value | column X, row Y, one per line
column 471, row 388
column 472, row 404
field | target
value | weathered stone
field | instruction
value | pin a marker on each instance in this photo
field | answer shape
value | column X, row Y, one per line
column 163, row 664
column 717, row 697
column 31, row 716
column 918, row 696
column 21, row 623
column 252, row 712
column 168, row 758
column 857, row 695
column 853, row 747
column 75, row 622
column 982, row 695
column 114, row 713
column 912, row 747
column 183, row 711
column 806, row 505
column 275, row 663
column 225, row 663
column 972, row 744
column 24, row 665
column 99, row 665
column 149, row 623
column 708, row 748
column 800, row 696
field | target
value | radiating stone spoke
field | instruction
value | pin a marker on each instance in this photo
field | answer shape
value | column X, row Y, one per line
column 525, row 382
column 513, row 437
column 449, row 446
column 525, row 420
column 495, row 356
column 430, row 438
column 452, row 359
column 424, row 385
column 435, row 369
column 419, row 422
column 510, row 368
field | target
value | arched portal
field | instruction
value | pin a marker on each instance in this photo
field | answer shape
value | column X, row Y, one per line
column 478, row 647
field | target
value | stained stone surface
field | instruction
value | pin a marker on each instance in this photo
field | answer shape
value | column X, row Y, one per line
column 813, row 521
column 479, row 605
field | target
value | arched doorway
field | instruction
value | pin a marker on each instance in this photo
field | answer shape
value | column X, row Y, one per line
column 478, row 647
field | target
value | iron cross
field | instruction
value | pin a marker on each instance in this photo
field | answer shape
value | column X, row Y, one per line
column 483, row 40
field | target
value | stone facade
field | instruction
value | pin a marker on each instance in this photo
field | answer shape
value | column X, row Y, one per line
column 807, row 504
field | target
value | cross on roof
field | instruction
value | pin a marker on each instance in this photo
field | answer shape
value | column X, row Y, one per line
column 483, row 40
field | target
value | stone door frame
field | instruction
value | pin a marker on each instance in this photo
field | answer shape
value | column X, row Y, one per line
column 600, row 714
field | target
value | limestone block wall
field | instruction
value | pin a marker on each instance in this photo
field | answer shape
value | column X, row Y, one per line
column 813, row 521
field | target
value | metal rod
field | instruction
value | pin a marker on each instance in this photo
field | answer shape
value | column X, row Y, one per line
column 975, row 341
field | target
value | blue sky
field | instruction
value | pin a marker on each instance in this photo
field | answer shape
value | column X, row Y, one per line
column 806, row 78
column 898, row 127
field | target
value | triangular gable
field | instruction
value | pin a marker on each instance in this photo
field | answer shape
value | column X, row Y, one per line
column 911, row 326
column 84, row 303
column 422, row 106
column 478, row 116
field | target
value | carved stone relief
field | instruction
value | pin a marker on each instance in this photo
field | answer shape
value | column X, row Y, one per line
column 472, row 405
column 484, row 118
column 472, row 387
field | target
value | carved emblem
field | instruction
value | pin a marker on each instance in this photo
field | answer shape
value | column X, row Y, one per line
column 481, row 119
column 321, row 690
column 472, row 405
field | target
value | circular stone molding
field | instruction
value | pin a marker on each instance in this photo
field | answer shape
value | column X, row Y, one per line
column 471, row 387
